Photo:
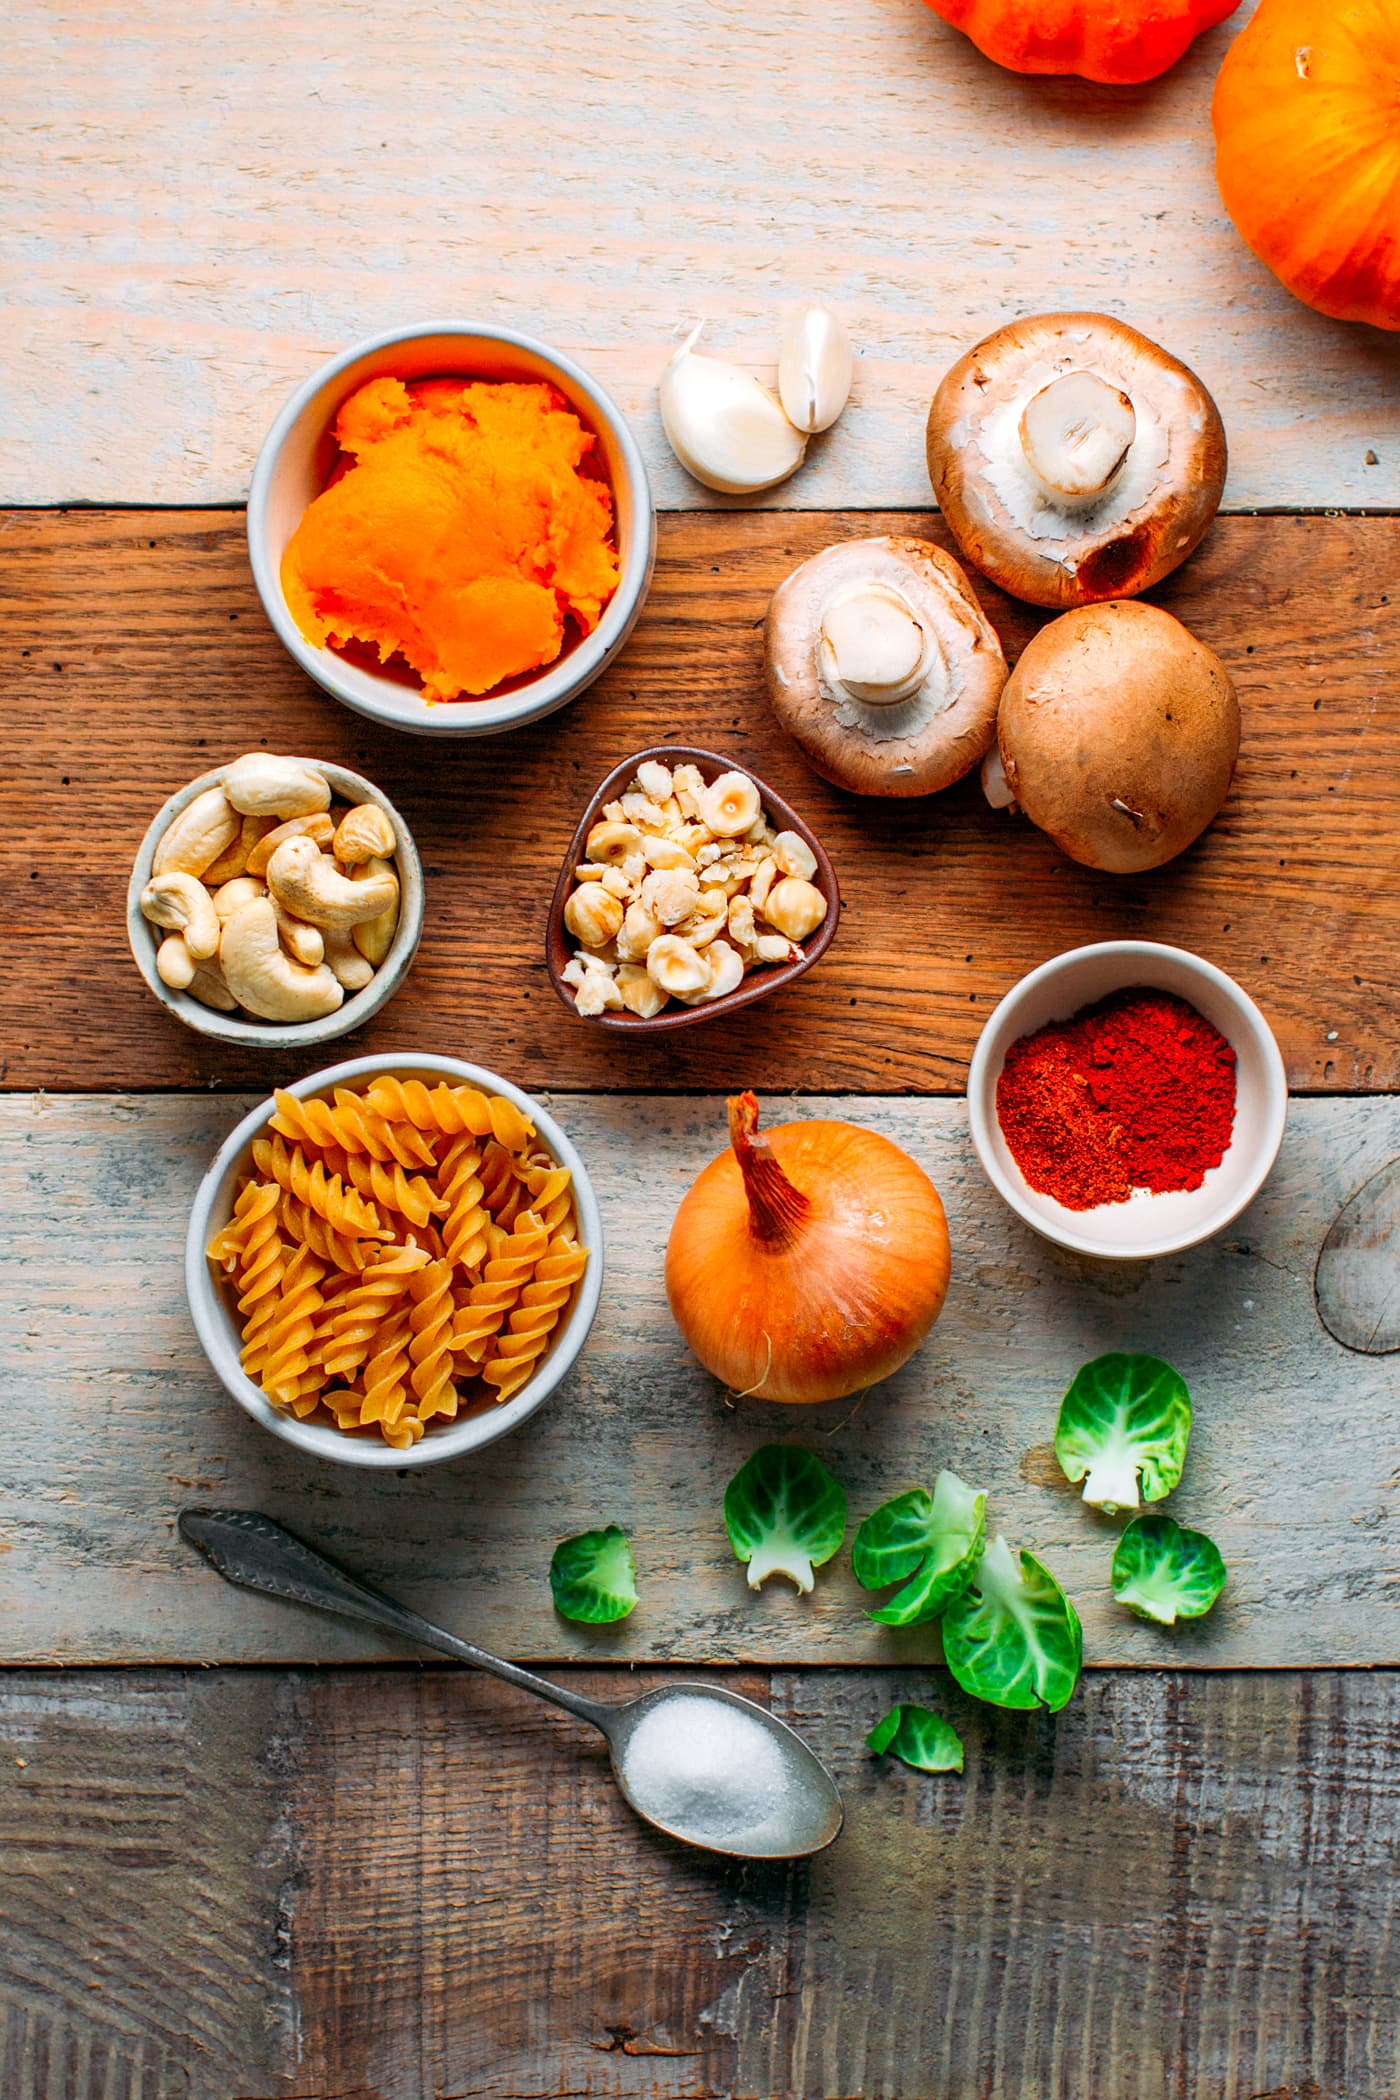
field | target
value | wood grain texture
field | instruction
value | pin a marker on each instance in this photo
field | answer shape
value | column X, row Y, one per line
column 395, row 1884
column 116, row 1420
column 135, row 655
column 206, row 203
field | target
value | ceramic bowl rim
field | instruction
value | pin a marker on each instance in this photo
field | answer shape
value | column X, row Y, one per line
column 981, row 1081
column 218, row 1335
column 277, row 1035
column 401, row 708
column 757, row 984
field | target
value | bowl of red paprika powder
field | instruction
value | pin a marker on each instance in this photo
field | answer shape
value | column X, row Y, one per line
column 1127, row 1100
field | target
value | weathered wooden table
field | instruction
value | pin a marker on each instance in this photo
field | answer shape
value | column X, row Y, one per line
column 320, row 1869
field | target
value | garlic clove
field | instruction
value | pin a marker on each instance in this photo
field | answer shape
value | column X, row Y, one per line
column 724, row 426
column 815, row 369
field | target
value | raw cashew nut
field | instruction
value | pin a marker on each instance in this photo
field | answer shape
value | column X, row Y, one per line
column 207, row 985
column 233, row 860
column 352, row 969
column 375, row 937
column 263, row 978
column 363, row 833
column 263, row 785
column 306, row 881
column 305, row 944
column 182, row 903
column 175, row 965
column 196, row 838
column 318, row 827
column 241, row 890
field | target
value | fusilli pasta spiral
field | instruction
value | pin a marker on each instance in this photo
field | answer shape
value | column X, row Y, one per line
column 451, row 1109
column 398, row 1254
column 344, row 1210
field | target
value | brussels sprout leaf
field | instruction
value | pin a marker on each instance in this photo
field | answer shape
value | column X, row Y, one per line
column 593, row 1577
column 920, row 1738
column 1164, row 1573
column 1013, row 1638
column 785, row 1515
column 1124, row 1417
column 937, row 1539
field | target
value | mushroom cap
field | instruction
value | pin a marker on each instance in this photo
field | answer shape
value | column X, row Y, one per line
column 919, row 743
column 1005, row 520
column 1118, row 733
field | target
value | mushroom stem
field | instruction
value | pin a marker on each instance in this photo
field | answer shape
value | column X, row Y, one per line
column 1076, row 434
column 873, row 645
column 995, row 785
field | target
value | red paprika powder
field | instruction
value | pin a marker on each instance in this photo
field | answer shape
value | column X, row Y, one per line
column 1137, row 1092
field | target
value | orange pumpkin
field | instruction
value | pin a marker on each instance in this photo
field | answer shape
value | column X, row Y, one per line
column 1307, row 132
column 1119, row 41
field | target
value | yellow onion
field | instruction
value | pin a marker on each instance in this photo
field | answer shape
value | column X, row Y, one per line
column 807, row 1263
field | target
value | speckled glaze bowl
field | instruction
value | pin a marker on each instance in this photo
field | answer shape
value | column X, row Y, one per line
column 299, row 451
column 274, row 1035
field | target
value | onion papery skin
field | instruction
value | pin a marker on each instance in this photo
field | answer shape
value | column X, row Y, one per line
column 844, row 1293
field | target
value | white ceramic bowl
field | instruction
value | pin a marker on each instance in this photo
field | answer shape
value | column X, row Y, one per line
column 215, row 1318
column 299, row 451
column 1146, row 1225
column 276, row 1035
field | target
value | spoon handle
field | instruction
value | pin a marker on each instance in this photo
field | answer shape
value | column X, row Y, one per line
column 249, row 1549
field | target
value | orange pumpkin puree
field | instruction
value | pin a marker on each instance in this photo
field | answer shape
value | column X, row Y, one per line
column 457, row 532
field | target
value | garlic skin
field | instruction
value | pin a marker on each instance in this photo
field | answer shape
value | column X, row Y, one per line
column 815, row 370
column 724, row 426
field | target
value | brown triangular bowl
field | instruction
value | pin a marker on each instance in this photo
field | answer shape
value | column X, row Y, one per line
column 759, row 982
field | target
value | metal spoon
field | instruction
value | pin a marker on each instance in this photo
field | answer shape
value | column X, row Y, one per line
column 805, row 1816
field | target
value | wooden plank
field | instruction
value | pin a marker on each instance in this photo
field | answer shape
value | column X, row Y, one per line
column 138, row 656
column 389, row 1884
column 139, row 1914
column 116, row 1421
column 208, row 211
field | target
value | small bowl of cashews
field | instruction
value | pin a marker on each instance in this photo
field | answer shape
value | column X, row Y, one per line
column 275, row 901
column 690, row 889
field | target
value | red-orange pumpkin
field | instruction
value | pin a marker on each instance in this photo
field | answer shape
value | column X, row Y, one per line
column 1307, row 132
column 1119, row 41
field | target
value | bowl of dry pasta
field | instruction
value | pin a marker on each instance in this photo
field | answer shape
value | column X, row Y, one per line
column 395, row 1261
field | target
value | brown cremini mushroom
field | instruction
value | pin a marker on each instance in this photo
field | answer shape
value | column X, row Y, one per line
column 1117, row 734
column 883, row 666
column 1074, row 459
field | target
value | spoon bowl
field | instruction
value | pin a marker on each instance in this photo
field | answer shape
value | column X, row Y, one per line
column 696, row 1761
column 772, row 1799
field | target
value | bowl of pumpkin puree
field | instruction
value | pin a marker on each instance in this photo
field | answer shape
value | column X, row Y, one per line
column 451, row 528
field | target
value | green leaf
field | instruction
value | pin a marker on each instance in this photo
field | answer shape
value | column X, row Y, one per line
column 1013, row 1638
column 785, row 1515
column 920, row 1738
column 593, row 1576
column 884, row 1732
column 1124, row 1418
column 935, row 1538
column 1164, row 1573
